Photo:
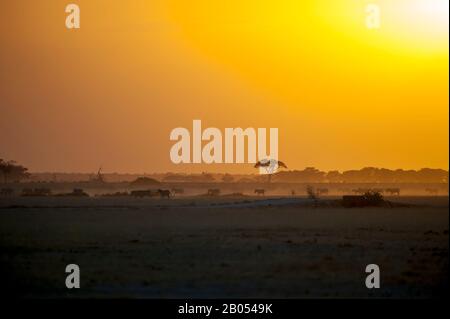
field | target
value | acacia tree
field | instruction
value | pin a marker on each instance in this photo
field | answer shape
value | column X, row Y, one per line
column 270, row 166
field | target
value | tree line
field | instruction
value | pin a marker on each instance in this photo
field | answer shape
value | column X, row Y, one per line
column 365, row 175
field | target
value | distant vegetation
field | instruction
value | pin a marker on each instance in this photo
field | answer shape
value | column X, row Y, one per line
column 365, row 175
column 373, row 198
column 307, row 176
column 13, row 172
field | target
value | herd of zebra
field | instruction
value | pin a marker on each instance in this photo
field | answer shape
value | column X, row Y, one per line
column 166, row 193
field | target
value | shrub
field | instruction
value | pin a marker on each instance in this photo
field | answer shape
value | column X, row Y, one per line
column 373, row 198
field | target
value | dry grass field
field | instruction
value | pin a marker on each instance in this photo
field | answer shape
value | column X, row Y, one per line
column 222, row 247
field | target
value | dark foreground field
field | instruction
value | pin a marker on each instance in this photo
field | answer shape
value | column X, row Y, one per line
column 194, row 247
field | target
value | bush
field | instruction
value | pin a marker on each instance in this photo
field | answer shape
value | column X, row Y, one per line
column 373, row 198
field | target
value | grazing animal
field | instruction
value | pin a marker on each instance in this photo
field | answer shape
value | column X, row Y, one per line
column 260, row 191
column 164, row 193
column 213, row 192
column 393, row 191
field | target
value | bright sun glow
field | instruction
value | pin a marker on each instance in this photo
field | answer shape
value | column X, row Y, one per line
column 411, row 26
column 434, row 12
column 421, row 22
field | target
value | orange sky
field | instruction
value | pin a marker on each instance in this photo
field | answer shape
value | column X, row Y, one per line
column 342, row 96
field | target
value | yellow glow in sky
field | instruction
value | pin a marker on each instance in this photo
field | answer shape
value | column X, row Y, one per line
column 342, row 95
column 298, row 49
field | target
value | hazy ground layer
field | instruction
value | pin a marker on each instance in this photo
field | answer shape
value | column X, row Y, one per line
column 203, row 247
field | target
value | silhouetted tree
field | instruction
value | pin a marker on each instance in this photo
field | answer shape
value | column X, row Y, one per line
column 11, row 170
column 270, row 166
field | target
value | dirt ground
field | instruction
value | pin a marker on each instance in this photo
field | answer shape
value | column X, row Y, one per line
column 197, row 247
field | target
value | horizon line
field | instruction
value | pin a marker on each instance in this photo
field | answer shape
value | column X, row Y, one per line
column 231, row 173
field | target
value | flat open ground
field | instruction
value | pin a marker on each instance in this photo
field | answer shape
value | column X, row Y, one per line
column 222, row 247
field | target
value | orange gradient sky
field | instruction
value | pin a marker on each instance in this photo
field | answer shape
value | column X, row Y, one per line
column 343, row 96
